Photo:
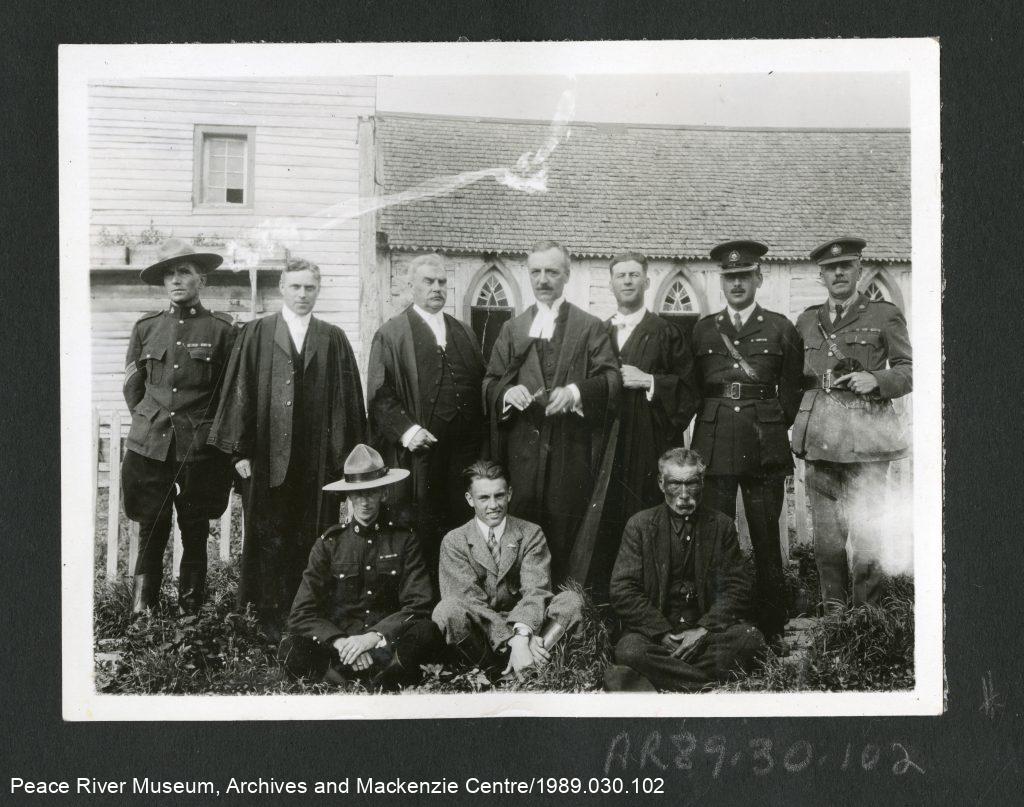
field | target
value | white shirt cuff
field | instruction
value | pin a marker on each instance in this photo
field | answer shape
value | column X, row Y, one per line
column 650, row 390
column 407, row 436
column 516, row 626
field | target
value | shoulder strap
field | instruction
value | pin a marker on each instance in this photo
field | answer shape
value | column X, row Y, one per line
column 738, row 357
column 832, row 344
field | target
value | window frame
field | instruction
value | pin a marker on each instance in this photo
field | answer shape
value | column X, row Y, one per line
column 200, row 132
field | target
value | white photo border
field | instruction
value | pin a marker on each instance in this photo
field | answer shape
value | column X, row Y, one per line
column 81, row 64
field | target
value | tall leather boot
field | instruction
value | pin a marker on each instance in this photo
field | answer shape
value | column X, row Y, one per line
column 191, row 591
column 145, row 593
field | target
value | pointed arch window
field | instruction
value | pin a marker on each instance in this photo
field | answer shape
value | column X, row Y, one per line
column 679, row 303
column 880, row 286
column 490, row 306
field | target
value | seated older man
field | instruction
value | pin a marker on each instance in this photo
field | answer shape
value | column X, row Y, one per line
column 681, row 589
column 495, row 577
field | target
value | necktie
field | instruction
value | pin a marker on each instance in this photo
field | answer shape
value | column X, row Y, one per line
column 492, row 544
column 737, row 320
column 839, row 312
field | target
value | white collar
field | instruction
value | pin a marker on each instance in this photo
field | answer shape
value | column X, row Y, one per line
column 550, row 309
column 437, row 318
column 744, row 312
column 295, row 319
column 629, row 320
column 499, row 531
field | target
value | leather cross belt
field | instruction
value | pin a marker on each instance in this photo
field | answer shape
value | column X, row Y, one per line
column 738, row 391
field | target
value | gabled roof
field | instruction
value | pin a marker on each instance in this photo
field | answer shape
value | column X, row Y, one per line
column 668, row 191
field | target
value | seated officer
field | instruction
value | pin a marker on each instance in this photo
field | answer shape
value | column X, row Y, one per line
column 681, row 590
column 363, row 607
column 495, row 577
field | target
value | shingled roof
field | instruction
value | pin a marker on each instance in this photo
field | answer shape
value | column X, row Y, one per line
column 669, row 191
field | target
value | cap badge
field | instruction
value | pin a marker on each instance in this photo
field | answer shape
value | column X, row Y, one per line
column 734, row 256
column 836, row 249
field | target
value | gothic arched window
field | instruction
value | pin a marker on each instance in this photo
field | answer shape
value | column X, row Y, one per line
column 679, row 303
column 491, row 304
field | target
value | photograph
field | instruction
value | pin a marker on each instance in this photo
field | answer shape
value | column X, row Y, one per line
column 480, row 379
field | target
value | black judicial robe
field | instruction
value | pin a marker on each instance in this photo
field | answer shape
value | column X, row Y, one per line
column 646, row 428
column 256, row 416
column 559, row 465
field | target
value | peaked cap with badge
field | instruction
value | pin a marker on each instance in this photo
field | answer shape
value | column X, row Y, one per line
column 845, row 248
column 749, row 380
column 848, row 439
column 741, row 255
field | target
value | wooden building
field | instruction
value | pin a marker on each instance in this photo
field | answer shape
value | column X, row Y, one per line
column 253, row 169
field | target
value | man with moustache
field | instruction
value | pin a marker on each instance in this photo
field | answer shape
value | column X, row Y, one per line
column 173, row 371
column 858, row 360
column 658, row 400
column 496, row 583
column 363, row 607
column 747, row 363
column 425, row 412
column 290, row 412
column 551, row 392
column 681, row 589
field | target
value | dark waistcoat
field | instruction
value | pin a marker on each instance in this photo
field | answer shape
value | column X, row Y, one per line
column 445, row 376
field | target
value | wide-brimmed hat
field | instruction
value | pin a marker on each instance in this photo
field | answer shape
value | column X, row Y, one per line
column 175, row 250
column 364, row 469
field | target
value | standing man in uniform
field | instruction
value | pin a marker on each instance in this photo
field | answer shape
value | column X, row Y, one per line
column 858, row 359
column 363, row 608
column 173, row 371
column 551, row 392
column 424, row 404
column 658, row 401
column 291, row 410
column 748, row 366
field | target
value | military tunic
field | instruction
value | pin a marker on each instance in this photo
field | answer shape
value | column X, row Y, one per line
column 848, row 439
column 362, row 579
column 742, row 432
column 173, row 371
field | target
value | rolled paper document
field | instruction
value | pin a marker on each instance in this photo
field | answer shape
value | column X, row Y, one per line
column 552, row 633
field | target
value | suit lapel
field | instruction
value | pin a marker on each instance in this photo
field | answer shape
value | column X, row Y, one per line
column 522, row 354
column 509, row 549
column 663, row 551
column 478, row 547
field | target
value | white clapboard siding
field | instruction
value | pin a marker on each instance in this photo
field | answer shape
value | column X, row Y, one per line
column 305, row 185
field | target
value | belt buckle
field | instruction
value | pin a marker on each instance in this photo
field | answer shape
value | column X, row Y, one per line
column 735, row 391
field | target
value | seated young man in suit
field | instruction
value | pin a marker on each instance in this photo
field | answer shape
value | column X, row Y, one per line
column 681, row 589
column 495, row 578
column 363, row 607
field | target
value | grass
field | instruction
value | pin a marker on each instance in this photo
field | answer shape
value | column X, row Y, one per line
column 221, row 650
column 864, row 648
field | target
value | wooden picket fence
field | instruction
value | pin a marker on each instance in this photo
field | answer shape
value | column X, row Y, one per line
column 109, row 429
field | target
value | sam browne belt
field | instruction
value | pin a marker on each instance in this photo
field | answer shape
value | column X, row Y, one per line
column 737, row 391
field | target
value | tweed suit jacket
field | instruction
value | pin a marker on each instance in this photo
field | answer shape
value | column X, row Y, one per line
column 517, row 589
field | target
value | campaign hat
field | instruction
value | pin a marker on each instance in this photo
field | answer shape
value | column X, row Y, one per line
column 174, row 251
column 365, row 469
